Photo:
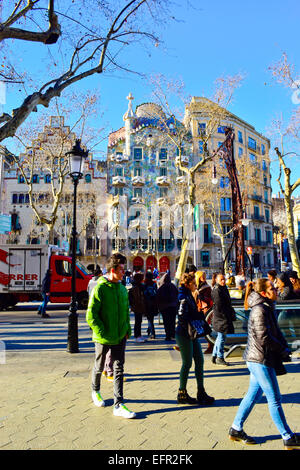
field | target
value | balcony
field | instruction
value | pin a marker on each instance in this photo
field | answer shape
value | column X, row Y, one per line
column 258, row 217
column 118, row 181
column 119, row 158
column 255, row 197
column 181, row 179
column 137, row 200
column 184, row 160
column 138, row 180
column 161, row 201
column 162, row 181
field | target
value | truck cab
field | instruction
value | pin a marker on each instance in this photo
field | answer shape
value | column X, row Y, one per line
column 61, row 277
column 23, row 267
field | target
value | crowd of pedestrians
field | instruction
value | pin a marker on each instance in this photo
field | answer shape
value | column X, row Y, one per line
column 111, row 300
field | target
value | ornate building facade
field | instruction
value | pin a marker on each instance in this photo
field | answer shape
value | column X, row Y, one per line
column 144, row 181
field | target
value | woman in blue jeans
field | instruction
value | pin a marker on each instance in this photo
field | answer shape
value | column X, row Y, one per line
column 266, row 350
column 189, row 348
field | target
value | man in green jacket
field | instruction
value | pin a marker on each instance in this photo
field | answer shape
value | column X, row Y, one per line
column 108, row 316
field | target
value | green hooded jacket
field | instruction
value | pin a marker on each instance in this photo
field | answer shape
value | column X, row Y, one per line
column 108, row 312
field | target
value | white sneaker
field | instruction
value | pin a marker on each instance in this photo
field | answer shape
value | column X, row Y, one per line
column 97, row 398
column 140, row 339
column 122, row 410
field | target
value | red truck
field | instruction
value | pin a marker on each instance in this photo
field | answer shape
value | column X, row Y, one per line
column 22, row 269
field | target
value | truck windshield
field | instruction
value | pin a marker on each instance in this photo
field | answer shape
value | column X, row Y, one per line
column 82, row 268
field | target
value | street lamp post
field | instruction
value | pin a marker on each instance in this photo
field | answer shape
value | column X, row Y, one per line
column 76, row 158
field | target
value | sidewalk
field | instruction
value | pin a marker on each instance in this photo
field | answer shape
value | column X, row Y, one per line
column 46, row 398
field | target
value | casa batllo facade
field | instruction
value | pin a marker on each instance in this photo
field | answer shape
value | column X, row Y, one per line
column 144, row 182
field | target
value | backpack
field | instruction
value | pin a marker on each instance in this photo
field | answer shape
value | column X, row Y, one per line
column 151, row 291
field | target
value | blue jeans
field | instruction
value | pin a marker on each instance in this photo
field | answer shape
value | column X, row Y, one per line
column 42, row 307
column 219, row 345
column 263, row 380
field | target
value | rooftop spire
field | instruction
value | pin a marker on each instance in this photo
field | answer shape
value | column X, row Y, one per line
column 129, row 113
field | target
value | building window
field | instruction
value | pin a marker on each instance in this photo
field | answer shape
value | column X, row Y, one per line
column 21, row 199
column 26, row 198
column 163, row 154
column 137, row 171
column 21, row 179
column 201, row 128
column 266, row 195
column 264, row 165
column 205, row 259
column 268, row 236
column 221, row 129
column 252, row 157
column 47, row 178
column 256, row 212
column 240, row 137
column 119, row 191
column 138, row 153
column 263, row 149
column 224, row 182
column 251, row 143
column 225, row 203
column 200, row 146
column 240, row 151
column 119, row 171
column 163, row 171
column 15, row 198
column 246, row 233
column 207, row 233
column 258, row 235
column 138, row 192
column 267, row 215
column 163, row 192
column 35, row 178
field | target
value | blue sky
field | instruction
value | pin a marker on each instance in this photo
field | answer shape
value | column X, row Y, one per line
column 216, row 39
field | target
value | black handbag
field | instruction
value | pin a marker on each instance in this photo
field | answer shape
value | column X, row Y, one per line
column 198, row 328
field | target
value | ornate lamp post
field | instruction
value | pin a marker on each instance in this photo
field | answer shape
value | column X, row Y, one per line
column 76, row 159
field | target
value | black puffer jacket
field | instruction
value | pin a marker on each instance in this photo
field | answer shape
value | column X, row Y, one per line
column 224, row 313
column 266, row 344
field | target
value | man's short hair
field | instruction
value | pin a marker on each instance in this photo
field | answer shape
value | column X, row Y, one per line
column 114, row 261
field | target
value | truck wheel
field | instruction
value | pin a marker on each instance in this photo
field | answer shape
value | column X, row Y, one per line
column 13, row 300
column 83, row 300
column 3, row 301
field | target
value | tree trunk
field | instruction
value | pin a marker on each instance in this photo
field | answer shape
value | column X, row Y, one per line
column 291, row 232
